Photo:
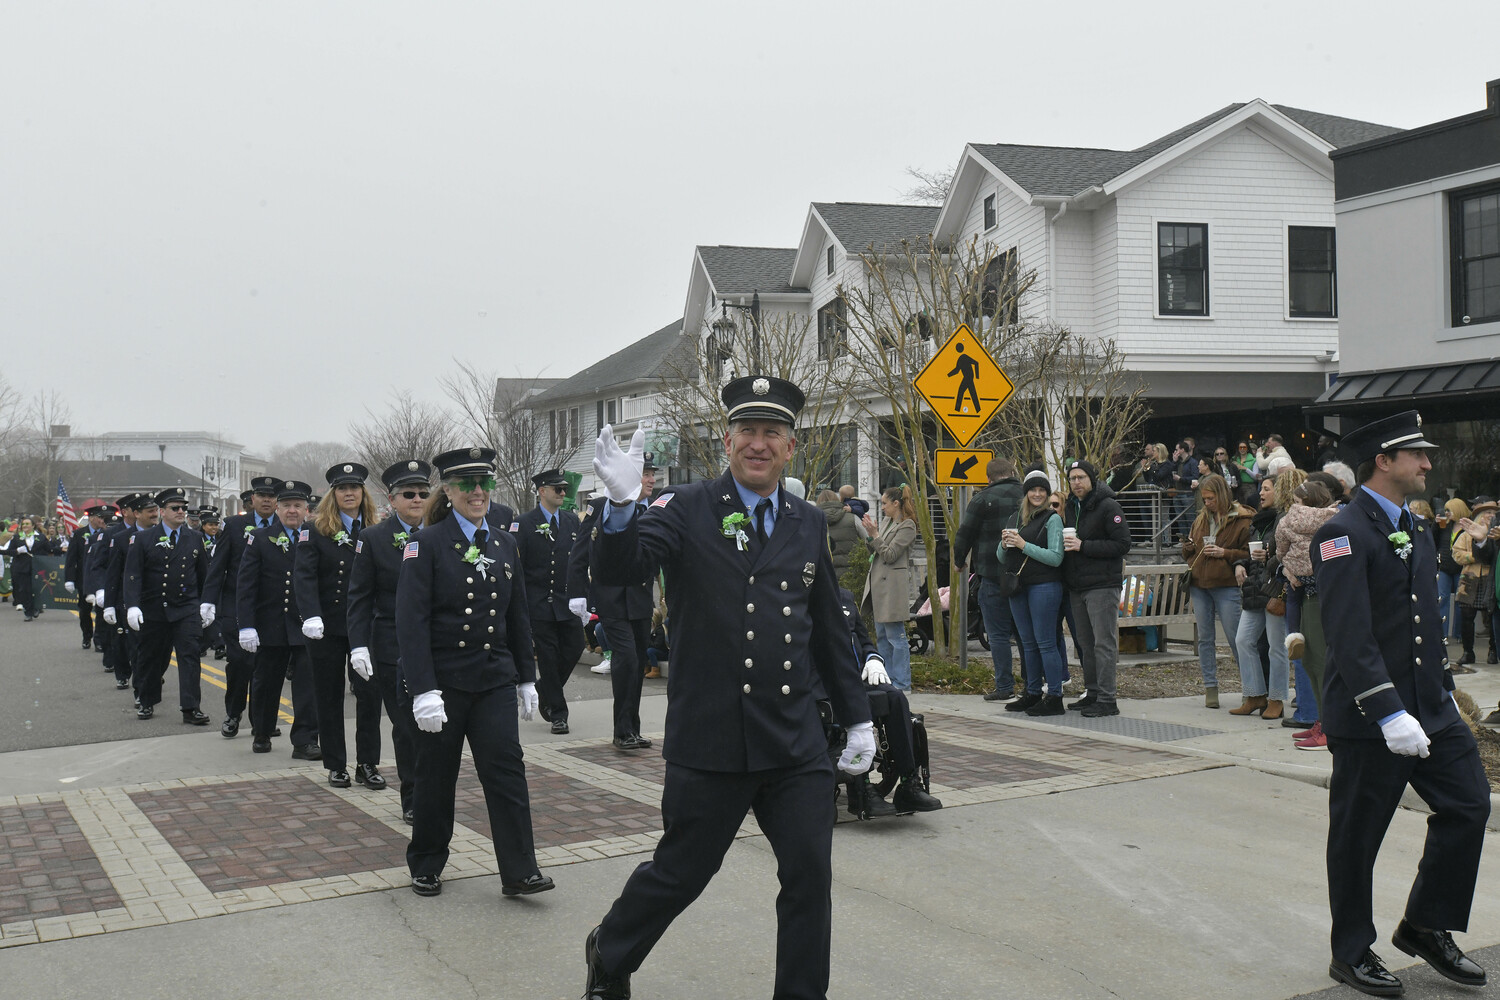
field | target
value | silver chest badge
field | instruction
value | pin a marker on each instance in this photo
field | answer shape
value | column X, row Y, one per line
column 507, row 571
column 809, row 571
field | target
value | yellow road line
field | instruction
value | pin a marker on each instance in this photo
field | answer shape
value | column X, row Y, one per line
column 284, row 714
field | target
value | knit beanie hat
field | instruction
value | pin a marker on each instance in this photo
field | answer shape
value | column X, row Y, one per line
column 1034, row 479
column 1087, row 467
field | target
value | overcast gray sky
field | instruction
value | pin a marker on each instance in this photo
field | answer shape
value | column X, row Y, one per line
column 252, row 218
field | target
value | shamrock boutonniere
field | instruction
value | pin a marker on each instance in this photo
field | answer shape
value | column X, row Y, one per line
column 282, row 542
column 164, row 542
column 478, row 560
column 1401, row 542
column 342, row 538
column 249, row 530
column 545, row 528
column 399, row 539
column 732, row 527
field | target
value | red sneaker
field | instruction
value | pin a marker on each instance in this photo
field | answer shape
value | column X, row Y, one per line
column 1315, row 730
column 1316, row 740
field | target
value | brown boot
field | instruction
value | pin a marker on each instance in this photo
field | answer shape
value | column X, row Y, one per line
column 1210, row 697
column 1273, row 710
column 1250, row 705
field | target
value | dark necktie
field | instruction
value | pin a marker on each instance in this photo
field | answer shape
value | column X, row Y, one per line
column 174, row 538
column 761, row 510
column 354, row 530
column 1404, row 522
column 480, row 538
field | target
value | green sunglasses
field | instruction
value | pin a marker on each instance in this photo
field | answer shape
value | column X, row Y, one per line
column 469, row 483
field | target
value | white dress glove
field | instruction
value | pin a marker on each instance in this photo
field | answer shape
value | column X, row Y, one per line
column 359, row 659
column 249, row 640
column 68, row 586
column 313, row 627
column 110, row 617
column 99, row 598
column 580, row 607
column 133, row 618
column 89, row 600
column 427, row 707
column 206, row 614
column 1404, row 735
column 859, row 752
column 620, row 471
column 526, row 694
column 874, row 672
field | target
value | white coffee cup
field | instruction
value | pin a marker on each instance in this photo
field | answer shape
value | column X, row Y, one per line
column 1257, row 547
column 1070, row 532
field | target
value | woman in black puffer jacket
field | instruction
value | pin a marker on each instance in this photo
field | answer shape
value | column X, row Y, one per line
column 1253, row 574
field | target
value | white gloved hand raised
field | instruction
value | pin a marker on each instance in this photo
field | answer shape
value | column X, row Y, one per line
column 580, row 607
column 249, row 640
column 206, row 614
column 620, row 471
column 874, row 672
column 133, row 618
column 1404, row 735
column 99, row 598
column 859, row 752
column 359, row 659
column 526, row 695
column 68, row 586
column 427, row 708
column 110, row 617
column 313, row 627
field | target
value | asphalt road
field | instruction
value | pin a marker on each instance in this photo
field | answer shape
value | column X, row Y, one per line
column 53, row 693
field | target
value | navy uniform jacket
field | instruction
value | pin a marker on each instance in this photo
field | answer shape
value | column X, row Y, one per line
column 633, row 601
column 1382, row 623
column 321, row 578
column 459, row 628
column 165, row 582
column 224, row 565
column 114, row 569
column 500, row 517
column 756, row 633
column 265, row 599
column 372, row 589
column 544, row 563
column 77, row 553
column 94, row 562
column 210, row 542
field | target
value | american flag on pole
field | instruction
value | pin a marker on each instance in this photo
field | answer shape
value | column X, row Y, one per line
column 65, row 507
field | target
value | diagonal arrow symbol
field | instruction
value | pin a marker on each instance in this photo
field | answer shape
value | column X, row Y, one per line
column 961, row 467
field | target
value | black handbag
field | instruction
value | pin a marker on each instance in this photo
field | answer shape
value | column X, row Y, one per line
column 1009, row 583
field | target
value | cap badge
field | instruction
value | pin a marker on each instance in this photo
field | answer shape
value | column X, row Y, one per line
column 473, row 452
column 291, row 485
column 348, row 468
column 761, row 386
column 411, row 466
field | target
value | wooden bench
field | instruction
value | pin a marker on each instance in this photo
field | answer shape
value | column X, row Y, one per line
column 1158, row 595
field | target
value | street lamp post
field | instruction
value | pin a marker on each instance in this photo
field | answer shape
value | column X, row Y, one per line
column 754, row 310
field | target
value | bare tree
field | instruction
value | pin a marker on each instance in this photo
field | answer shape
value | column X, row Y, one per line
column 307, row 461
column 404, row 428
column 931, row 187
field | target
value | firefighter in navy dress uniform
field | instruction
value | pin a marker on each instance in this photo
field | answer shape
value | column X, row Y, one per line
column 466, row 660
column 374, row 651
column 101, row 563
column 222, row 590
column 146, row 515
column 165, row 568
column 271, row 625
column 92, row 581
column 759, row 637
column 545, row 536
column 73, row 569
column 325, row 554
column 1390, row 717
column 210, row 527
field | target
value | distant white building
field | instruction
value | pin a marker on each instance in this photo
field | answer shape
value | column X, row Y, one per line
column 212, row 467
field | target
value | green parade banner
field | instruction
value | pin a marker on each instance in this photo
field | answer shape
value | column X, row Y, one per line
column 47, row 581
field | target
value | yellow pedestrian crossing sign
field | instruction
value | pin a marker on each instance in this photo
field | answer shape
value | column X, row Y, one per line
column 963, row 385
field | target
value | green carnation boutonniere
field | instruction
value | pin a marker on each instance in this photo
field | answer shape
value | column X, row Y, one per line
column 342, row 538
column 164, row 542
column 1401, row 541
column 282, row 542
column 399, row 539
column 478, row 560
column 249, row 530
column 545, row 528
column 733, row 527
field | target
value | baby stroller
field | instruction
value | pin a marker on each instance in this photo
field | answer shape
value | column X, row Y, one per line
column 919, row 626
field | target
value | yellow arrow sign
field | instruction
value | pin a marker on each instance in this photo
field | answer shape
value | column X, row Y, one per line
column 960, row 466
column 963, row 385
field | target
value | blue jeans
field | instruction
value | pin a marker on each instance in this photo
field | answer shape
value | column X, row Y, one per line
column 1223, row 603
column 1252, row 683
column 997, row 625
column 891, row 644
column 1447, row 587
column 1034, row 610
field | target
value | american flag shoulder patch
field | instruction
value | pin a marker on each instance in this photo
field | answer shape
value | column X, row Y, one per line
column 359, row 546
column 515, row 526
column 303, row 535
column 249, row 539
column 411, row 551
column 1334, row 548
column 663, row 500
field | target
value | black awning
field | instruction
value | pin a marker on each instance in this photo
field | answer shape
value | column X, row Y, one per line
column 1410, row 387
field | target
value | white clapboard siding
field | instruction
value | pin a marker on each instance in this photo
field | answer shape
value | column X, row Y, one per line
column 1017, row 224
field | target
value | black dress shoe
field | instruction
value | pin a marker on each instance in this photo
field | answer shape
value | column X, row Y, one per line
column 1468, row 656
column 408, row 816
column 1024, row 702
column 219, row 653
column 527, row 886
column 145, row 712
column 1082, row 703
column 276, row 731
column 1098, row 710
column 231, row 727
column 260, row 746
column 1437, row 949
column 912, row 797
column 631, row 742
column 121, row 685
column 426, row 885
column 369, row 776
column 601, row 985
column 1369, row 976
column 308, row 751
column 1493, row 657
column 864, row 803
column 546, row 713
column 194, row 717
column 559, row 727
column 339, row 778
column 87, row 644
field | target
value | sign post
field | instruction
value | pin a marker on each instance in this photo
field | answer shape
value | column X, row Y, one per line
column 965, row 388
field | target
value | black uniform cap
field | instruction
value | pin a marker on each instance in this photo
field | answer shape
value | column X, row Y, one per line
column 209, row 515
column 142, row 501
column 99, row 510
column 245, row 496
column 552, row 477
column 649, row 463
column 407, row 473
column 170, row 494
column 465, row 462
column 347, row 474
column 127, row 501
column 291, row 489
column 265, row 484
column 1401, row 431
column 762, row 397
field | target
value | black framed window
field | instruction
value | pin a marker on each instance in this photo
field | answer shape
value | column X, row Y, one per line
column 1182, row 269
column 989, row 212
column 1312, row 272
column 830, row 261
column 999, row 287
column 833, row 329
column 1474, row 232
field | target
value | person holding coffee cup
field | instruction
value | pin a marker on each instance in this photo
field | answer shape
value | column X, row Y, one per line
column 1095, row 540
column 1259, row 574
column 1215, row 543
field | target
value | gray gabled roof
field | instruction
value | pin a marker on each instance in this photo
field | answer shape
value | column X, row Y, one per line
column 860, row 226
column 107, row 479
column 662, row 354
column 742, row 270
column 1064, row 171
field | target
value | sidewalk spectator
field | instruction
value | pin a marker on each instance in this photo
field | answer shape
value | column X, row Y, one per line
column 856, row 506
column 1449, row 572
column 1216, row 594
column 1093, row 569
column 979, row 535
column 1272, row 448
column 1343, row 474
column 1476, row 586
column 1313, row 504
column 1327, row 451
column 843, row 530
column 1031, row 548
column 1257, row 575
column 1241, row 487
column 888, row 587
column 1245, row 459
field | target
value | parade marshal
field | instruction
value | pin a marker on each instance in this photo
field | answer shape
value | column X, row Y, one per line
column 1390, row 717
column 758, row 633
